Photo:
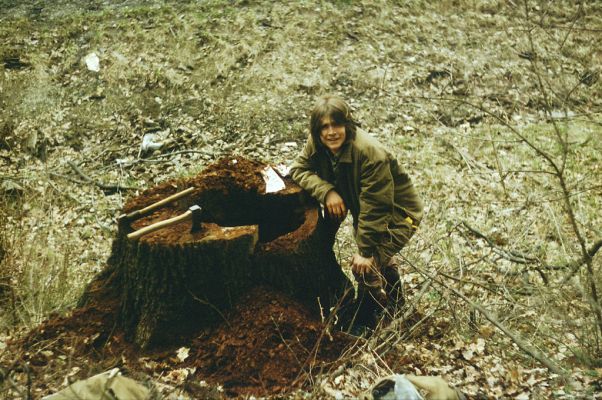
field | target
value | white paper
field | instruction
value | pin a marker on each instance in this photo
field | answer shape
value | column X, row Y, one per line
column 282, row 169
column 183, row 353
column 92, row 62
column 273, row 182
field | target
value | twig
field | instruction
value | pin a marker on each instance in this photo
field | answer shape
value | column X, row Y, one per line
column 161, row 158
column 520, row 258
column 574, row 265
column 515, row 337
column 213, row 307
column 100, row 185
column 70, row 179
column 510, row 255
column 285, row 342
column 386, row 344
column 501, row 175
column 570, row 30
column 330, row 321
column 563, row 141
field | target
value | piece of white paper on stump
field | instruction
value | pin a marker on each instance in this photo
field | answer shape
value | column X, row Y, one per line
column 273, row 182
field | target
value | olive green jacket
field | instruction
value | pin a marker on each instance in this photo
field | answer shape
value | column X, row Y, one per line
column 372, row 184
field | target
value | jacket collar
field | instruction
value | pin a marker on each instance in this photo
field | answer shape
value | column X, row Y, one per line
column 345, row 156
column 346, row 152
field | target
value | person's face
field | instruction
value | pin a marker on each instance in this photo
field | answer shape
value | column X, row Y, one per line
column 332, row 135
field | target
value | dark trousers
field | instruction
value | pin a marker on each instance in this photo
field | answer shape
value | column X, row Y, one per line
column 377, row 290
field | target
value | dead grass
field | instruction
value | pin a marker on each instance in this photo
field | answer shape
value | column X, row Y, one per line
column 238, row 77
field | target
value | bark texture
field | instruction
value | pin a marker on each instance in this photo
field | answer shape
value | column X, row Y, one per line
column 173, row 282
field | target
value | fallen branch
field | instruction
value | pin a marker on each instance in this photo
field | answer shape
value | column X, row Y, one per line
column 104, row 187
column 515, row 337
column 161, row 158
column 510, row 255
column 574, row 265
column 521, row 258
column 70, row 179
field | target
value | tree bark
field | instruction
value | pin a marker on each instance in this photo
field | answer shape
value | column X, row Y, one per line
column 172, row 282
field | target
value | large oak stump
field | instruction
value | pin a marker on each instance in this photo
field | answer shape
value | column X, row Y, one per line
column 174, row 281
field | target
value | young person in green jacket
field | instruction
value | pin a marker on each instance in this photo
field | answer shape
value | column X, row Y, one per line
column 346, row 169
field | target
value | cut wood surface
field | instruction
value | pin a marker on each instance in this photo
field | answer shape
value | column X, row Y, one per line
column 174, row 281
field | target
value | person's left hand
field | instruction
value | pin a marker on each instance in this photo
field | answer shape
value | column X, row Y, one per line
column 361, row 265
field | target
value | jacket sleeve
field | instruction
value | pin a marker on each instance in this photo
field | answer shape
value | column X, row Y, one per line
column 376, row 204
column 305, row 173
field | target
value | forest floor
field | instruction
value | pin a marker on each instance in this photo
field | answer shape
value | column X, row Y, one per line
column 492, row 107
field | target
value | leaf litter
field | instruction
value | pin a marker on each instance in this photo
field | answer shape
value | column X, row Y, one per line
column 213, row 80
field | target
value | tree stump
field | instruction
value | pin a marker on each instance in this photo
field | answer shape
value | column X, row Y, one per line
column 173, row 281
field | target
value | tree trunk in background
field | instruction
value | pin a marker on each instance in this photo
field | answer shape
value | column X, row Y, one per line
column 173, row 282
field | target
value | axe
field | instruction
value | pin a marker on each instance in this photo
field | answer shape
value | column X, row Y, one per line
column 194, row 213
column 147, row 210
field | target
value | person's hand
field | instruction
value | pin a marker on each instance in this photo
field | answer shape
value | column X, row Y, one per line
column 335, row 206
column 361, row 265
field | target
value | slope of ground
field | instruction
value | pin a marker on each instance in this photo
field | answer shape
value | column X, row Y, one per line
column 470, row 96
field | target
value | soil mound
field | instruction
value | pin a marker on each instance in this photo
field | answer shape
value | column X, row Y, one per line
column 267, row 344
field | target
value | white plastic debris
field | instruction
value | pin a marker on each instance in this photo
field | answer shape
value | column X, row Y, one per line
column 150, row 142
column 92, row 62
column 273, row 182
column 394, row 387
column 122, row 162
column 183, row 353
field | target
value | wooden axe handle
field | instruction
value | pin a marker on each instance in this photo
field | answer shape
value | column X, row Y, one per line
column 146, row 210
column 161, row 224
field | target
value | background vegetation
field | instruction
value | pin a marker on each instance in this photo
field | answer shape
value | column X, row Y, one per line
column 493, row 107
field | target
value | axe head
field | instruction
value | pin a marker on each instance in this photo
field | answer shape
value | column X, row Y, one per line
column 197, row 213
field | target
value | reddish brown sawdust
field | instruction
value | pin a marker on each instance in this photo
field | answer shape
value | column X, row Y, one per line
column 227, row 175
column 267, row 346
column 270, row 341
column 289, row 242
column 241, row 172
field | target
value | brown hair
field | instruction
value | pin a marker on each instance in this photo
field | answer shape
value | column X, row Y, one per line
column 336, row 108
